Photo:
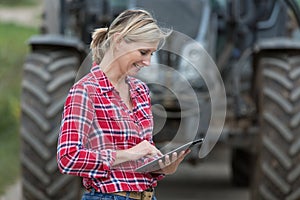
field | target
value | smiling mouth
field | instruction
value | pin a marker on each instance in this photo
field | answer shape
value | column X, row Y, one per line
column 138, row 67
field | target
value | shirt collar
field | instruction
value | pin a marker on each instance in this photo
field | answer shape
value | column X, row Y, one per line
column 104, row 83
column 136, row 88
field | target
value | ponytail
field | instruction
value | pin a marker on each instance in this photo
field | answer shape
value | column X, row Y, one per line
column 133, row 26
column 98, row 44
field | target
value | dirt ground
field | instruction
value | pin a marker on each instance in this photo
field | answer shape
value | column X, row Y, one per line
column 28, row 16
column 13, row 192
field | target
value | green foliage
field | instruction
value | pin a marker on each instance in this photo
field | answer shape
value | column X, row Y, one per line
column 13, row 49
column 18, row 2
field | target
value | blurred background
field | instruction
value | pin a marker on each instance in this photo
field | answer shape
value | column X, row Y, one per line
column 21, row 19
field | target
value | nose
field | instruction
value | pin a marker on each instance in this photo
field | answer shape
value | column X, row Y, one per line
column 147, row 61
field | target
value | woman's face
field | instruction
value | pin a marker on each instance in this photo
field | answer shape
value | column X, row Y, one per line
column 131, row 57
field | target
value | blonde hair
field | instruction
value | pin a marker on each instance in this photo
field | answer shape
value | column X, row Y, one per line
column 133, row 26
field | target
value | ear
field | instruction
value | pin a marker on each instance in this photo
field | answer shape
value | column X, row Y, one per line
column 117, row 39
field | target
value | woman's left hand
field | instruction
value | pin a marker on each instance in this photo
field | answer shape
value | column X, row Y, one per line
column 169, row 166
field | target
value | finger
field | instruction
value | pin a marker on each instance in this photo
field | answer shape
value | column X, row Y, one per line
column 182, row 155
column 174, row 157
column 161, row 164
column 151, row 155
column 151, row 152
column 159, row 153
column 154, row 151
column 187, row 152
column 167, row 160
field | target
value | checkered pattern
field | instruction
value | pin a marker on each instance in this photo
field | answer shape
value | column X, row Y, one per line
column 96, row 123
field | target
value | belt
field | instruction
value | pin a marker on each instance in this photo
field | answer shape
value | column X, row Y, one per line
column 145, row 195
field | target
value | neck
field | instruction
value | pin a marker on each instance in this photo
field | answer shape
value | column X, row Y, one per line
column 111, row 70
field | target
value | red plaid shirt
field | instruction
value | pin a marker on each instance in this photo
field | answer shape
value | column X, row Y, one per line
column 96, row 123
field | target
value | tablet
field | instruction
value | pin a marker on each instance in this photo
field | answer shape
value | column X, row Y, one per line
column 154, row 165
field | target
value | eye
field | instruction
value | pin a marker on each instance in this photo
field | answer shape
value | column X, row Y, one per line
column 143, row 52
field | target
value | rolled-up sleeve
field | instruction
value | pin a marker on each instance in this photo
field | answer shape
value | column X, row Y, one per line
column 72, row 155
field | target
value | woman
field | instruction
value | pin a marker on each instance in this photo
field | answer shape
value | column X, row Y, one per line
column 107, row 121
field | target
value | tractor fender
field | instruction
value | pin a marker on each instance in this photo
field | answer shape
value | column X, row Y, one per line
column 51, row 41
column 275, row 44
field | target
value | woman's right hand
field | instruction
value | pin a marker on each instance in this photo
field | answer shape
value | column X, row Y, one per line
column 143, row 149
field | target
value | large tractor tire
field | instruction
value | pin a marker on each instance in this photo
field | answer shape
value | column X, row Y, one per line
column 278, row 167
column 47, row 77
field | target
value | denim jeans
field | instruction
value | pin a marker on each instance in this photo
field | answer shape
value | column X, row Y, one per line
column 100, row 196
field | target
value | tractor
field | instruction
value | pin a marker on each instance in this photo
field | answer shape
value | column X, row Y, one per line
column 254, row 47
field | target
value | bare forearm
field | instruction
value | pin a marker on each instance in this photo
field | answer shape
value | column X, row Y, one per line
column 140, row 150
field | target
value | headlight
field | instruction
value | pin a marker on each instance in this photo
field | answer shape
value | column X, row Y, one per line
column 192, row 64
